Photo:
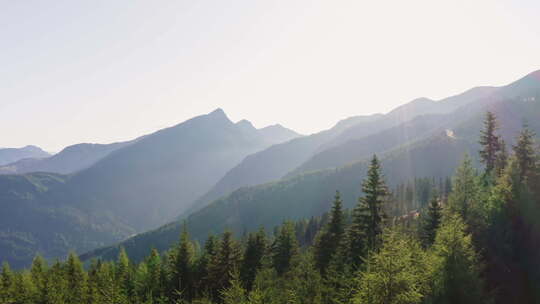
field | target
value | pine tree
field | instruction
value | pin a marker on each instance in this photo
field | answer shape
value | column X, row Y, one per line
column 490, row 142
column 224, row 263
column 203, row 264
column 56, row 285
column 502, row 159
column 182, row 268
column 524, row 151
column 431, row 222
column 156, row 276
column 23, row 288
column 76, row 280
column 465, row 190
column 368, row 215
column 38, row 272
column 6, row 284
column 458, row 265
column 329, row 239
column 235, row 293
column 123, row 273
column 398, row 273
column 253, row 257
column 285, row 249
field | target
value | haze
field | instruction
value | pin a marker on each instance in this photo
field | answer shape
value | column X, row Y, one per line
column 105, row 71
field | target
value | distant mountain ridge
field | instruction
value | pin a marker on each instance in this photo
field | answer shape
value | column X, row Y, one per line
column 11, row 155
column 434, row 152
column 71, row 159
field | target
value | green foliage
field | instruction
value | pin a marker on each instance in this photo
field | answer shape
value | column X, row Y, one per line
column 352, row 259
column 490, row 142
column 254, row 253
column 399, row 272
column 285, row 249
column 524, row 152
column 458, row 265
column 330, row 238
column 431, row 222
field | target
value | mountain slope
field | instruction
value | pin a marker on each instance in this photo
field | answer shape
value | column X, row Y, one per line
column 274, row 162
column 301, row 196
column 462, row 106
column 437, row 155
column 150, row 181
column 135, row 187
column 11, row 155
column 69, row 160
column 30, row 223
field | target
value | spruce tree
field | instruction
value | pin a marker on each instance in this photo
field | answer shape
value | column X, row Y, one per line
column 431, row 222
column 76, row 280
column 224, row 263
column 38, row 271
column 490, row 142
column 204, row 262
column 123, row 273
column 6, row 284
column 465, row 190
column 329, row 239
column 457, row 278
column 368, row 215
column 524, row 151
column 398, row 273
column 253, row 257
column 285, row 249
column 56, row 285
column 182, row 268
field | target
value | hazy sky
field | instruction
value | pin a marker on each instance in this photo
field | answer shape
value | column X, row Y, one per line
column 104, row 71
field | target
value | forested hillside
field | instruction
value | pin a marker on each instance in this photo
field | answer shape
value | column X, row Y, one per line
column 134, row 187
column 32, row 223
column 357, row 138
column 474, row 242
column 435, row 156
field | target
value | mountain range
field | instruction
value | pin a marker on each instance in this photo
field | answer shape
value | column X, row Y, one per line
column 430, row 144
column 216, row 174
column 138, row 186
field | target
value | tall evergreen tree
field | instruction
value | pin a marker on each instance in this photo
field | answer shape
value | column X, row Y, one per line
column 56, row 285
column 182, row 268
column 285, row 249
column 398, row 273
column 431, row 222
column 458, row 265
column 253, row 257
column 6, row 283
column 368, row 215
column 329, row 239
column 203, row 264
column 123, row 273
column 76, row 280
column 524, row 151
column 502, row 159
column 465, row 189
column 224, row 263
column 490, row 142
column 38, row 271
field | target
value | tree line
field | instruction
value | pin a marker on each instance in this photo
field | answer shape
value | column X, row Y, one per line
column 472, row 239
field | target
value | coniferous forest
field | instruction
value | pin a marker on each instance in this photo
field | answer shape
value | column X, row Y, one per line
column 471, row 238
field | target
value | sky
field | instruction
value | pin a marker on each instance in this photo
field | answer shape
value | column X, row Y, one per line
column 106, row 71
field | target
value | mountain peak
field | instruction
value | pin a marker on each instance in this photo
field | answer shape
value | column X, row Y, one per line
column 218, row 112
